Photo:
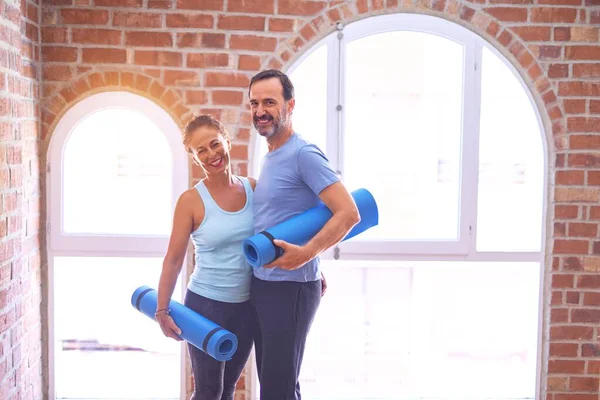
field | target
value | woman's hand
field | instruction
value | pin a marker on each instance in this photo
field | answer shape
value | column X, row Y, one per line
column 168, row 326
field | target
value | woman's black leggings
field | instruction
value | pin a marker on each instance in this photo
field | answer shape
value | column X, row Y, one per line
column 216, row 380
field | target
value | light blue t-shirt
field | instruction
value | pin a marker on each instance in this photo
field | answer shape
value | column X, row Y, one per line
column 221, row 271
column 290, row 181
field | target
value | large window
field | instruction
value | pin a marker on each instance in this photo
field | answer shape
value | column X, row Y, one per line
column 442, row 299
column 115, row 170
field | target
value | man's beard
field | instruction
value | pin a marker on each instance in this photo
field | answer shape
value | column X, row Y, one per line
column 276, row 125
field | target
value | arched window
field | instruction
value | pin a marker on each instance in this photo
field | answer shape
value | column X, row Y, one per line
column 115, row 169
column 442, row 299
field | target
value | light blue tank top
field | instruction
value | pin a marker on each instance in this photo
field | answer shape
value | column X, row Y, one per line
column 221, row 271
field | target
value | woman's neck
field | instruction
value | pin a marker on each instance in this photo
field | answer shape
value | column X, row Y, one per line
column 222, row 180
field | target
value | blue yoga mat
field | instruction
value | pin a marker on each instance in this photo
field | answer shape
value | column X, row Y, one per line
column 207, row 336
column 260, row 250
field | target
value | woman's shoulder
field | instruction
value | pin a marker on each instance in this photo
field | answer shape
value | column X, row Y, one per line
column 251, row 180
column 190, row 198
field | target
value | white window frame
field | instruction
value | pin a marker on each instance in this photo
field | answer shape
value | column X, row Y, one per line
column 440, row 27
column 60, row 243
column 452, row 250
column 465, row 248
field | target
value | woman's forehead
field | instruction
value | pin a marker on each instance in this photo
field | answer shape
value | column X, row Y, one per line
column 204, row 135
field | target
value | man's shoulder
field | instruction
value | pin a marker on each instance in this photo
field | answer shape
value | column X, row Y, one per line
column 288, row 155
column 301, row 142
column 296, row 143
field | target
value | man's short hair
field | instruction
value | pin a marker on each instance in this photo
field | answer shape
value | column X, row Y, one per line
column 288, row 87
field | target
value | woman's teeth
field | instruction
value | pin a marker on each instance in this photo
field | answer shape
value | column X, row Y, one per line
column 216, row 163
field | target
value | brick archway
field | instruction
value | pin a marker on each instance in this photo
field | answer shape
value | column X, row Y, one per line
column 524, row 56
column 54, row 107
column 482, row 23
column 63, row 98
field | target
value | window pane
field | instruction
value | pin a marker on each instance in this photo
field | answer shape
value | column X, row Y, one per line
column 117, row 176
column 105, row 348
column 310, row 85
column 511, row 164
column 402, row 132
column 387, row 330
column 355, row 350
column 310, row 113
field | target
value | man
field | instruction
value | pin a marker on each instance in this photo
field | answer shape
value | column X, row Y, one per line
column 286, row 293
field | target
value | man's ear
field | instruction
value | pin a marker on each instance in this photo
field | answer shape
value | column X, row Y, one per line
column 291, row 105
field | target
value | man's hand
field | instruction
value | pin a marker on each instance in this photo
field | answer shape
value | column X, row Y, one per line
column 323, row 285
column 293, row 256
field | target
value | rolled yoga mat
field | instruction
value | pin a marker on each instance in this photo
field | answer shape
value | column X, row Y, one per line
column 260, row 250
column 207, row 336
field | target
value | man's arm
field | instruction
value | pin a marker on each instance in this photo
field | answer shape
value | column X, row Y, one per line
column 345, row 217
column 316, row 172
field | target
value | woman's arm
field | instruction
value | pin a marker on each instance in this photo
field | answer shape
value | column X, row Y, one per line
column 183, row 222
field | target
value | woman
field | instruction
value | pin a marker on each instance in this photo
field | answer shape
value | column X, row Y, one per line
column 217, row 214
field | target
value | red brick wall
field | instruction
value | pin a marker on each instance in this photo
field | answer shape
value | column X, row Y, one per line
column 194, row 55
column 20, row 287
